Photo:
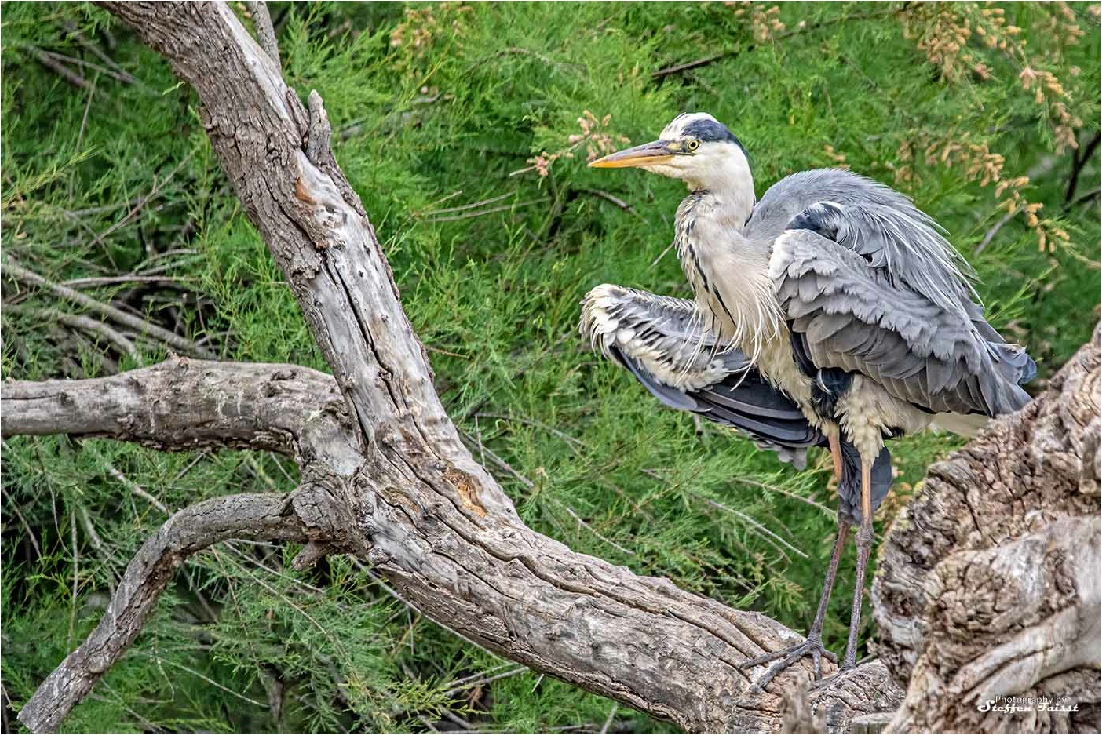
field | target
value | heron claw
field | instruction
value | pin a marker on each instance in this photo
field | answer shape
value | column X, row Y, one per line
column 812, row 646
column 838, row 675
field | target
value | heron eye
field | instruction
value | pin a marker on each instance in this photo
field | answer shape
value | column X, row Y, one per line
column 692, row 145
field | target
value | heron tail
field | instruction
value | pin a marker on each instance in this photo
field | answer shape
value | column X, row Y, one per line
column 1003, row 387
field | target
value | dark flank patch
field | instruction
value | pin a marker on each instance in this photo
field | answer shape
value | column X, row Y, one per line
column 827, row 384
column 821, row 218
column 799, row 350
column 849, row 489
column 711, row 131
column 830, row 384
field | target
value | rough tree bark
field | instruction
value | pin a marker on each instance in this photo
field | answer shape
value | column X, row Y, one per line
column 384, row 473
column 988, row 583
column 185, row 404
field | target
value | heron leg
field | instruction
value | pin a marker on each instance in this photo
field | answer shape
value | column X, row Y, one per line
column 813, row 644
column 864, row 546
column 836, row 454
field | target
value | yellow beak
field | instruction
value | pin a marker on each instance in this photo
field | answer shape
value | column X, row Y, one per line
column 640, row 155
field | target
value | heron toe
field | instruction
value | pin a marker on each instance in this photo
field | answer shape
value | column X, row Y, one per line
column 812, row 646
column 836, row 678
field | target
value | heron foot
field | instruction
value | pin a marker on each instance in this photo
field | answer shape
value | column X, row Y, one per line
column 812, row 646
column 838, row 676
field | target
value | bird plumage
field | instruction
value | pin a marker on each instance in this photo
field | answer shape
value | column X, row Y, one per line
column 874, row 288
column 665, row 344
column 841, row 294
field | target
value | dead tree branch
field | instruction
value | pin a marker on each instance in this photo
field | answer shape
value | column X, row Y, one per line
column 171, row 339
column 253, row 517
column 183, row 404
column 265, row 31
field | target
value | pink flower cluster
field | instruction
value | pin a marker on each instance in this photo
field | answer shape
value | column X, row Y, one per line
column 595, row 136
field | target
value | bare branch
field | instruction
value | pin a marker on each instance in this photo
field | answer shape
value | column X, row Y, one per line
column 183, row 404
column 265, row 31
column 82, row 283
column 990, row 234
column 58, row 68
column 1079, row 159
column 601, row 194
column 253, row 517
column 690, row 65
column 49, row 58
column 74, row 33
column 173, row 340
column 95, row 327
column 86, row 324
column 136, row 489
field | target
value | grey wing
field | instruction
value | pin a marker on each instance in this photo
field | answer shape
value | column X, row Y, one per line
column 663, row 342
column 668, row 337
column 875, row 290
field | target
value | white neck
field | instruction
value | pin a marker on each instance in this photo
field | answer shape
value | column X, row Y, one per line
column 727, row 177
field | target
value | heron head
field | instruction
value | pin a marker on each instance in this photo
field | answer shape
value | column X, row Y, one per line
column 694, row 147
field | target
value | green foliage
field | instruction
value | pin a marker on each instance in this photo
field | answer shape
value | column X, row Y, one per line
column 435, row 108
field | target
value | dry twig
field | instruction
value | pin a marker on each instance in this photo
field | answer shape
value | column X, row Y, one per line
column 171, row 339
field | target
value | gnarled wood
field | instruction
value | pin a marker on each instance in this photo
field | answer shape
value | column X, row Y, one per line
column 183, row 404
column 988, row 584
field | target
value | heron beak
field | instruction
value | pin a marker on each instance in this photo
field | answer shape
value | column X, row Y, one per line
column 641, row 155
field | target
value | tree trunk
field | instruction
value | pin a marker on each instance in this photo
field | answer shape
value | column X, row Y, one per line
column 988, row 583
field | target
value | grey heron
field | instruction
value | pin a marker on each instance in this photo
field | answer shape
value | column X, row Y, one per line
column 832, row 311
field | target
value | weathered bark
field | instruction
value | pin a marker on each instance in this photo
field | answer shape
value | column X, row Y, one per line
column 413, row 501
column 988, row 583
column 184, row 404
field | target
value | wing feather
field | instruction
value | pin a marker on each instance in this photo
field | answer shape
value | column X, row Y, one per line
column 665, row 344
column 873, row 291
